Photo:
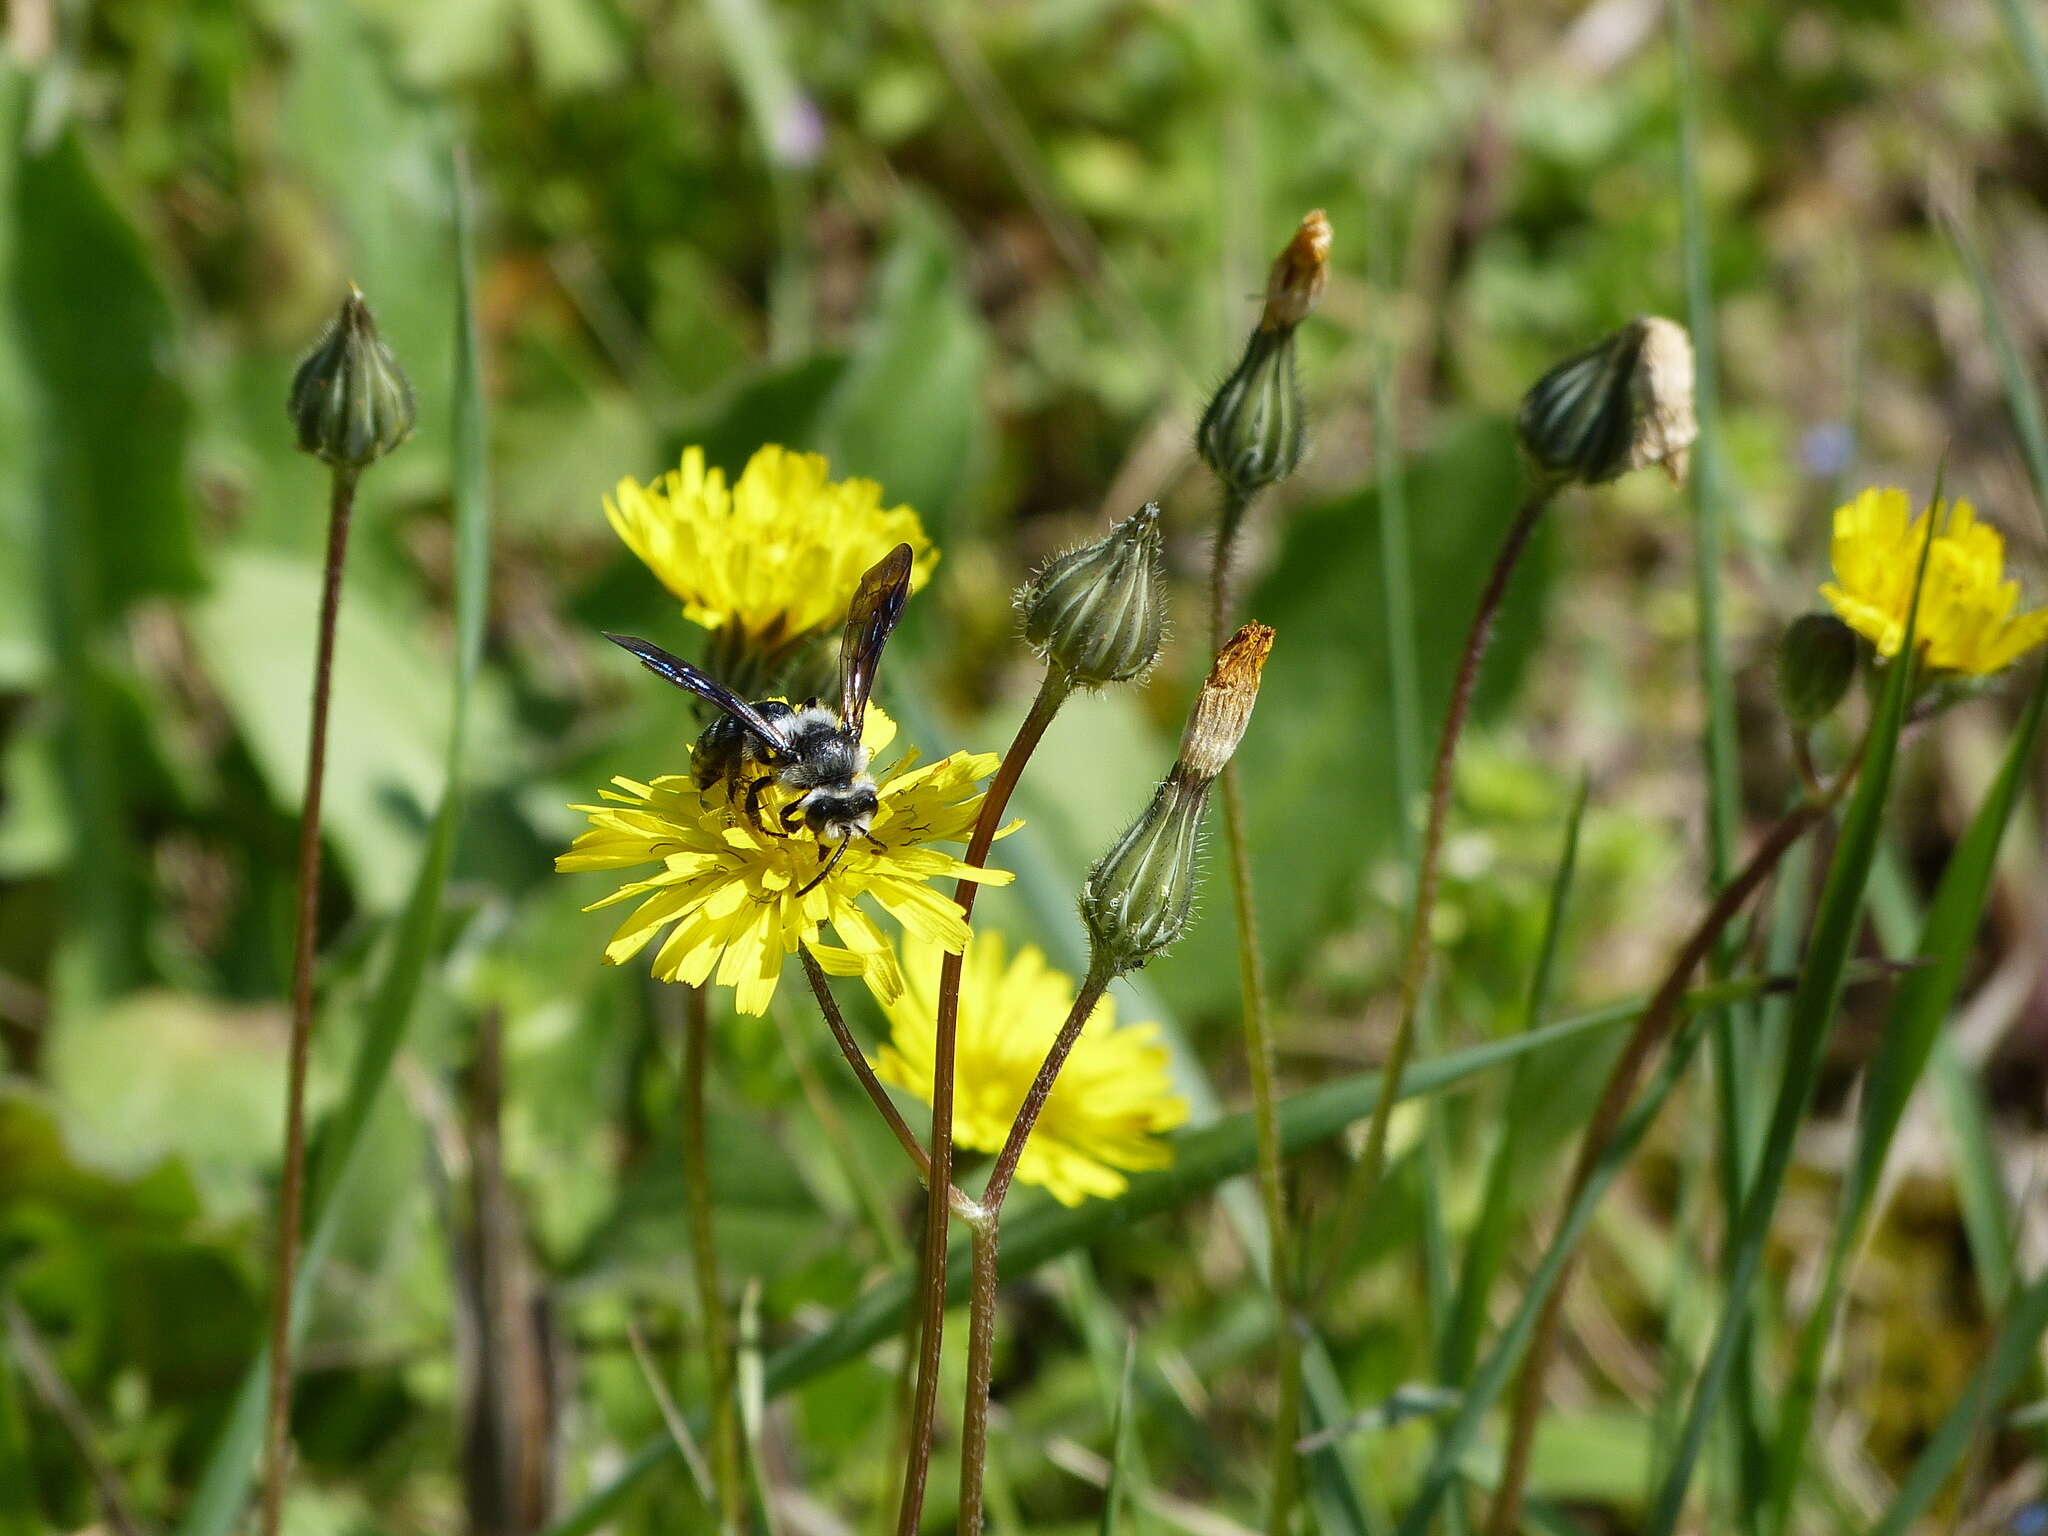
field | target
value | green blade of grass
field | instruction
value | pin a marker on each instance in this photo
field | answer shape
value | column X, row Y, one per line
column 1734, row 1052
column 1119, row 1445
column 1980, row 1185
column 2022, row 398
column 2011, row 1354
column 1919, row 1009
column 1814, row 1006
column 223, row 1487
column 1487, row 1247
column 18, row 1512
column 2026, row 41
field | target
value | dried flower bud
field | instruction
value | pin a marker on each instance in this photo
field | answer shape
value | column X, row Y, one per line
column 1137, row 899
column 1098, row 613
column 350, row 401
column 1817, row 659
column 1618, row 406
column 1296, row 281
column 1224, row 706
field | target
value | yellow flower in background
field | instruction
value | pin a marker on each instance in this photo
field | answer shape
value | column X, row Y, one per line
column 1967, row 621
column 776, row 554
column 728, row 892
column 1111, row 1101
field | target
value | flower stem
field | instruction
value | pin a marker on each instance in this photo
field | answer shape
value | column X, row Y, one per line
column 292, row 1186
column 1665, row 1008
column 856, row 1058
column 984, row 1228
column 1052, row 693
column 1260, row 1056
column 726, row 1472
column 1366, row 1172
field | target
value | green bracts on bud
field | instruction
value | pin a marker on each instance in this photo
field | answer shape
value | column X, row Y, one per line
column 1621, row 405
column 1137, row 899
column 1253, row 432
column 1098, row 613
column 350, row 401
column 1817, row 659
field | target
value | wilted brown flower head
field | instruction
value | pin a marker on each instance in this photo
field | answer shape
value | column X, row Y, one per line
column 1223, row 708
column 1296, row 281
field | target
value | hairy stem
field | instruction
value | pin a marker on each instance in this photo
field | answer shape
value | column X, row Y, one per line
column 726, row 1475
column 1664, row 1010
column 981, row 1327
column 1364, row 1180
column 828, row 1005
column 291, row 1196
column 1052, row 693
column 1260, row 1055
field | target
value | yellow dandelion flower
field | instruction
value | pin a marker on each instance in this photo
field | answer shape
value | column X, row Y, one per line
column 776, row 554
column 1967, row 621
column 732, row 894
column 1111, row 1101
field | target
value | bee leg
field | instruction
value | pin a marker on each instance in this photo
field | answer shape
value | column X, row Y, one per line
column 792, row 818
column 830, row 863
column 755, row 791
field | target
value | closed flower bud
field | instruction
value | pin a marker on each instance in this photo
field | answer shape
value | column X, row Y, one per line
column 1098, row 613
column 1618, row 406
column 1816, row 664
column 1252, row 433
column 350, row 401
column 1137, row 899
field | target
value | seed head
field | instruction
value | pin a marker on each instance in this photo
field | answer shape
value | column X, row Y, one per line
column 1224, row 706
column 1098, row 613
column 1817, row 659
column 1617, row 406
column 350, row 401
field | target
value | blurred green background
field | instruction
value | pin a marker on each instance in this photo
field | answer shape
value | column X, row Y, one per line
column 992, row 256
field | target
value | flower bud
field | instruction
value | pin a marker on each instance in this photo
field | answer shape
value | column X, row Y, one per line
column 1618, row 406
column 350, row 401
column 1816, row 664
column 1252, row 432
column 1137, row 899
column 1098, row 613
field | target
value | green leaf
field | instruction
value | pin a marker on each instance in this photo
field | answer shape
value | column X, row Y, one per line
column 1814, row 1006
column 1920, row 1008
column 2012, row 1353
column 908, row 411
column 1119, row 1445
column 217, row 1503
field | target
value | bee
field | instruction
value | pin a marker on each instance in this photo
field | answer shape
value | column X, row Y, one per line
column 814, row 752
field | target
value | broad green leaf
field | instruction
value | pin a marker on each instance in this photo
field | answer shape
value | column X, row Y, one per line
column 908, row 411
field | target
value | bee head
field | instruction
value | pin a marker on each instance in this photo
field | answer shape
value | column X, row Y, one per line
column 838, row 814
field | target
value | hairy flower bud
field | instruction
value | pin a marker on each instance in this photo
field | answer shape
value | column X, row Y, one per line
column 1817, row 659
column 1617, row 406
column 1098, row 613
column 1137, row 899
column 350, row 401
column 1252, row 432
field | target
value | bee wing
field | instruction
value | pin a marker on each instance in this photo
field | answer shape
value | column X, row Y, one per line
column 675, row 670
column 877, row 605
